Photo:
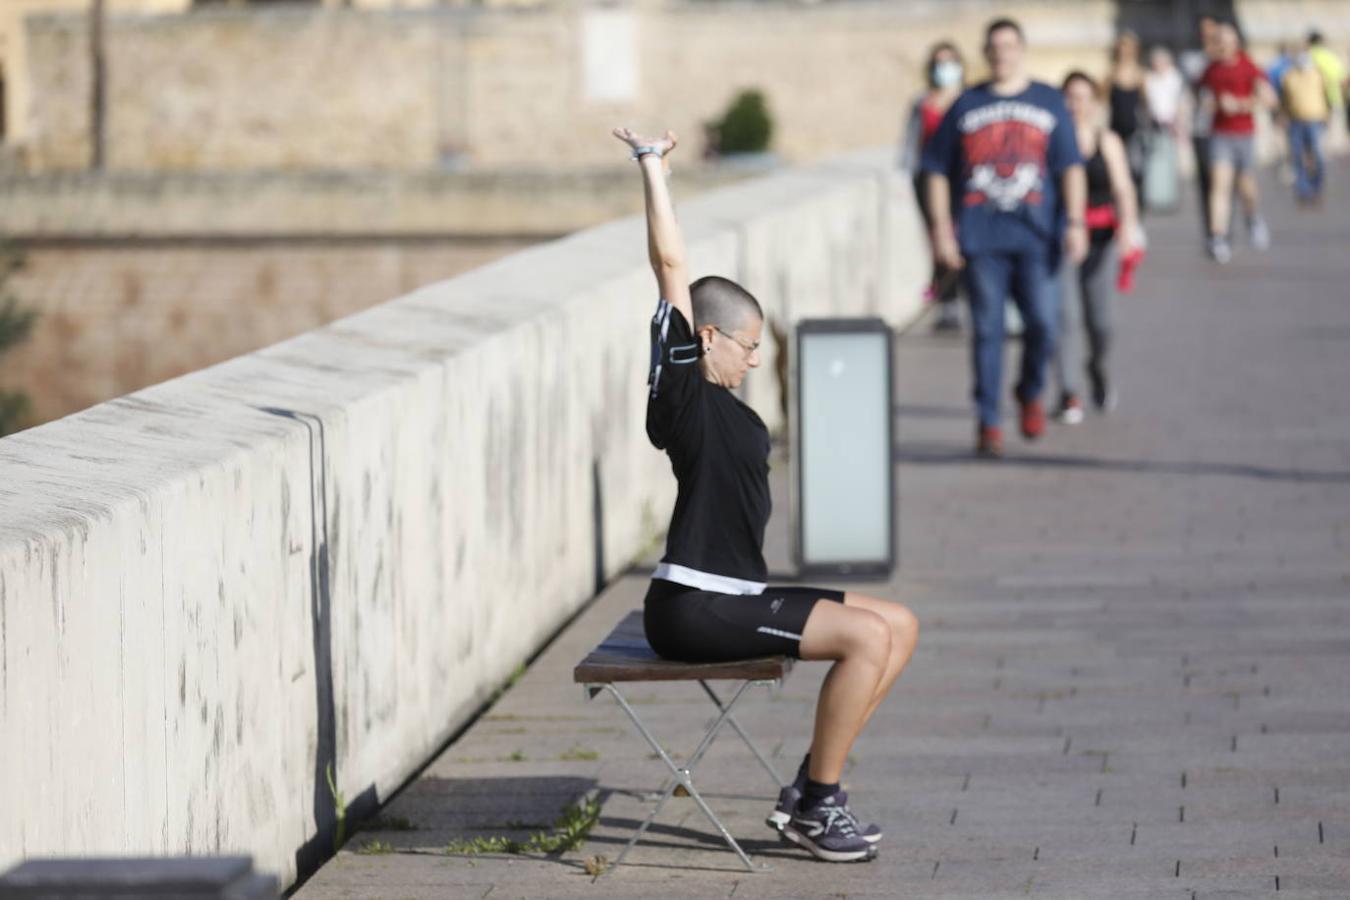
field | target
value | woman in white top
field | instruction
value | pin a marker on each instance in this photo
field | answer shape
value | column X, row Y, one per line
column 1165, row 94
column 1169, row 112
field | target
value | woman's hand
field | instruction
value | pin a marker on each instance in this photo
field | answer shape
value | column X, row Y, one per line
column 1127, row 241
column 947, row 250
column 665, row 243
column 665, row 143
column 1076, row 242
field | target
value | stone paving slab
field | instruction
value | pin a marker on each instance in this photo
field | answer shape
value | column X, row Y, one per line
column 1134, row 673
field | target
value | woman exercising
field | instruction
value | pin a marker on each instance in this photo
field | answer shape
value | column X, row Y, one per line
column 708, row 600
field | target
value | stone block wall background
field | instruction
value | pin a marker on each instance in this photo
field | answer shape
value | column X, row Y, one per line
column 324, row 88
column 114, row 319
column 321, row 87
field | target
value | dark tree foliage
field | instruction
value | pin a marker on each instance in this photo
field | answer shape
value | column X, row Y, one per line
column 16, row 323
column 747, row 126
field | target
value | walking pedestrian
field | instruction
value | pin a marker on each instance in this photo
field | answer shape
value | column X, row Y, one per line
column 1169, row 111
column 945, row 72
column 1129, row 110
column 1306, row 106
column 1331, row 67
column 1284, row 59
column 1005, row 159
column 1194, row 63
column 708, row 601
column 1089, row 289
column 1235, row 90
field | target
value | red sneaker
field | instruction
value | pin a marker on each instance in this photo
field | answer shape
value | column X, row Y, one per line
column 1033, row 419
column 989, row 442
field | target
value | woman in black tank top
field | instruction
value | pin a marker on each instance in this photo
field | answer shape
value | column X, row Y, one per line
column 1098, row 177
column 1128, row 108
column 1088, row 297
column 708, row 600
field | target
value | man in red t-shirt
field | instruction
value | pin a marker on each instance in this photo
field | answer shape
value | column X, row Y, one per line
column 1234, row 88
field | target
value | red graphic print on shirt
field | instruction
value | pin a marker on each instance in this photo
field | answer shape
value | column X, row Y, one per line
column 1004, row 145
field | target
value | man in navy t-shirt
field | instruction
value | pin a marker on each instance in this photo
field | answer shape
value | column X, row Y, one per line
column 1006, row 160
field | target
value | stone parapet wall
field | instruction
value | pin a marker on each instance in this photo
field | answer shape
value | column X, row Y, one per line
column 323, row 556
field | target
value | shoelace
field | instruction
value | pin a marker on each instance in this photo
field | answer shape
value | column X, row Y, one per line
column 853, row 818
column 842, row 815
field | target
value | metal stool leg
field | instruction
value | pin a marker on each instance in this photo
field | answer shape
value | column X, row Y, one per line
column 683, row 776
column 731, row 720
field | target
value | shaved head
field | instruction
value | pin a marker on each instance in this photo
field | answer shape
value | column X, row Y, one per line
column 723, row 303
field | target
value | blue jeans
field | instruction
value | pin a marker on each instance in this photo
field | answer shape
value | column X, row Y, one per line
column 1305, row 149
column 1029, row 278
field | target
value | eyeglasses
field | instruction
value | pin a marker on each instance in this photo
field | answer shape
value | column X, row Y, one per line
column 748, row 348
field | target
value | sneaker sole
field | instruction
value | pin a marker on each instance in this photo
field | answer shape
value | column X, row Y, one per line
column 801, row 840
column 778, row 820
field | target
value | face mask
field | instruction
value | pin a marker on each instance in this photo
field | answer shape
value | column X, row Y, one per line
column 947, row 74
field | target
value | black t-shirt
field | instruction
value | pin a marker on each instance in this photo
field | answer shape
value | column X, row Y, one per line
column 719, row 451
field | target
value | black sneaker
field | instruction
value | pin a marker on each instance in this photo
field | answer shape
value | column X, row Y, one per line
column 1103, row 397
column 787, row 801
column 829, row 831
column 948, row 320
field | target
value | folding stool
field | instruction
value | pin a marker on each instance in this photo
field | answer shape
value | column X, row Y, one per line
column 625, row 657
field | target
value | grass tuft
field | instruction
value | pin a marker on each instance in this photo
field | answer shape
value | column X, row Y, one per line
column 578, row 753
column 569, row 832
column 375, row 848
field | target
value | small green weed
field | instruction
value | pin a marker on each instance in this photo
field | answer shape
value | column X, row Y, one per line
column 375, row 848
column 339, row 811
column 578, row 753
column 569, row 832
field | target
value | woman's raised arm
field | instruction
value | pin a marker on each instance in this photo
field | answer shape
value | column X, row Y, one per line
column 665, row 243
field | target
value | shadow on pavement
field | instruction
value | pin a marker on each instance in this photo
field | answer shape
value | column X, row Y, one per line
column 437, row 811
column 944, row 454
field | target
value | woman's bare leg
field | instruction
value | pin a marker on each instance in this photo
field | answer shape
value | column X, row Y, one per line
column 904, row 635
column 859, row 640
column 904, row 628
column 1220, row 198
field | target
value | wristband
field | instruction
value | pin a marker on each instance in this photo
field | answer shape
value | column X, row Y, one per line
column 647, row 150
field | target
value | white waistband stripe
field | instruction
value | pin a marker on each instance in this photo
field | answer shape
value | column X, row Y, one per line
column 706, row 581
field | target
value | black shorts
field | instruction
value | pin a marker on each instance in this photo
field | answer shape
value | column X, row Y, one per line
column 690, row 625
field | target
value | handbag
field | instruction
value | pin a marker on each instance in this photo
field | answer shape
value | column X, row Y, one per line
column 1161, row 184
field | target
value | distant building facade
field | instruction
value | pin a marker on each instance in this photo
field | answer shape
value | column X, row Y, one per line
column 247, row 85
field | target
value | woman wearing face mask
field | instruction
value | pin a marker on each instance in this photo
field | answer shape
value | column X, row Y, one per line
column 1089, row 289
column 946, row 79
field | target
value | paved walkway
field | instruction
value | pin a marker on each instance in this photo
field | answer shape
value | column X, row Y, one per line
column 1134, row 673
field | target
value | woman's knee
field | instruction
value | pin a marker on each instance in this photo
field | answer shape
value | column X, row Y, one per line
column 871, row 638
column 905, row 625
